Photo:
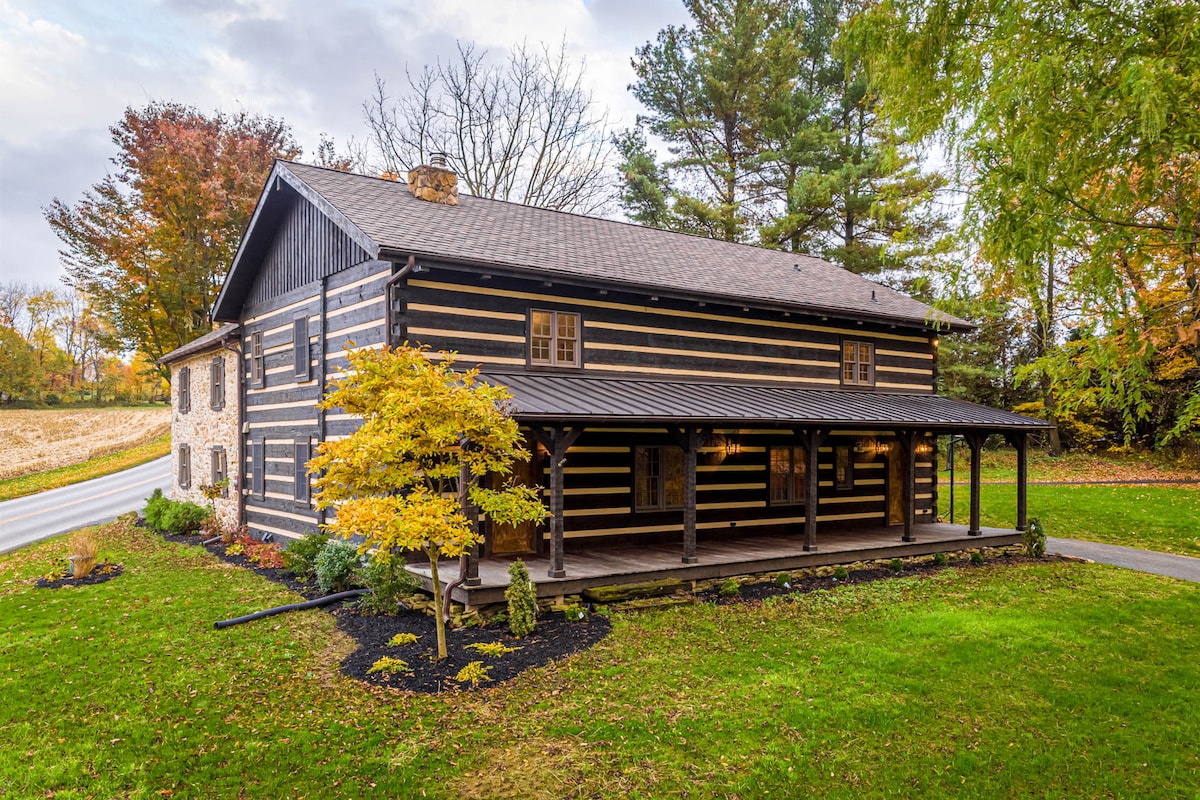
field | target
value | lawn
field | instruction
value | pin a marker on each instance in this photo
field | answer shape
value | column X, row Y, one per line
column 1164, row 518
column 86, row 470
column 1046, row 679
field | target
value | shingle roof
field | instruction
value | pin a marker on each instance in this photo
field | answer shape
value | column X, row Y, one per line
column 209, row 341
column 483, row 231
column 587, row 399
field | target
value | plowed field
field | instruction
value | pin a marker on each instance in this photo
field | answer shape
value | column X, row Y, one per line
column 35, row 441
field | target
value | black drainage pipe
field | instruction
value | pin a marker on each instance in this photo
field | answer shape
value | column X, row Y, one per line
column 270, row 612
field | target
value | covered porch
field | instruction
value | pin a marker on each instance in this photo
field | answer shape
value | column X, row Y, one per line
column 716, row 558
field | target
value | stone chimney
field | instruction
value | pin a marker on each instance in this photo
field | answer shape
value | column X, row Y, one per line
column 434, row 181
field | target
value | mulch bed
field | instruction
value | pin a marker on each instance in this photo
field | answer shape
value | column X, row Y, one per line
column 554, row 637
column 100, row 574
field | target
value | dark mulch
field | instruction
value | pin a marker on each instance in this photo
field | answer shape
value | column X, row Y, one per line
column 757, row 592
column 554, row 637
column 101, row 574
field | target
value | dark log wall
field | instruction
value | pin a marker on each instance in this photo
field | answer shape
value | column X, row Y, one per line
column 731, row 489
column 283, row 410
column 485, row 320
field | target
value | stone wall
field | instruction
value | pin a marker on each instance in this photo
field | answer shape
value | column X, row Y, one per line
column 202, row 428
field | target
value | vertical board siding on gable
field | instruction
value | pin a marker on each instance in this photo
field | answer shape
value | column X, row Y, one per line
column 629, row 333
column 307, row 247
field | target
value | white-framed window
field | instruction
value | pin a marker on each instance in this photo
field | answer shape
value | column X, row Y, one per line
column 658, row 478
column 554, row 338
column 858, row 363
column 789, row 475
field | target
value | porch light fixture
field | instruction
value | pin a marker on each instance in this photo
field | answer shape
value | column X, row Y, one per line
column 733, row 447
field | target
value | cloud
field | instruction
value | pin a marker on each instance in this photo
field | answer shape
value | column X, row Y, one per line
column 68, row 70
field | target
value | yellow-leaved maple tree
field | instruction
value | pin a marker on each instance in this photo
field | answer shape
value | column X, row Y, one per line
column 394, row 481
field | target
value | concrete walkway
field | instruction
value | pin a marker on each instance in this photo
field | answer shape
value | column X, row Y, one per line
column 1182, row 567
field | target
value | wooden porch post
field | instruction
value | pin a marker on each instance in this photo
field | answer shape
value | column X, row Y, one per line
column 975, row 442
column 1019, row 442
column 813, row 438
column 557, row 441
column 908, row 443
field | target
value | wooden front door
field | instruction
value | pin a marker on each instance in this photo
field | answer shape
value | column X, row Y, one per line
column 895, row 485
column 520, row 539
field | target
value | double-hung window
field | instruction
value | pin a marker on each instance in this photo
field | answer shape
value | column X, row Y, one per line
column 301, row 454
column 658, row 478
column 843, row 468
column 858, row 364
column 258, row 467
column 789, row 475
column 300, row 355
column 554, row 338
column 257, row 360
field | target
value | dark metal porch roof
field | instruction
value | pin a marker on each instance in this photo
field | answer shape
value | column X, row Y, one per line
column 576, row 398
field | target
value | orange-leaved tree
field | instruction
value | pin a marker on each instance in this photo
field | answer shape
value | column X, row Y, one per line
column 394, row 481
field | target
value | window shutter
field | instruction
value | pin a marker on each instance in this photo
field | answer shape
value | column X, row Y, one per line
column 257, row 476
column 185, row 466
column 300, row 354
column 216, row 372
column 302, row 454
column 185, row 390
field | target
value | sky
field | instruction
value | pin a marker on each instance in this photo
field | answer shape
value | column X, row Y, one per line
column 68, row 70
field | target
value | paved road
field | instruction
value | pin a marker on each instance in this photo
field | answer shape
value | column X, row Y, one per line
column 28, row 519
column 1183, row 567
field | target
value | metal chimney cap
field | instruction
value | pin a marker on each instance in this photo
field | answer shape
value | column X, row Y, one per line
column 437, row 160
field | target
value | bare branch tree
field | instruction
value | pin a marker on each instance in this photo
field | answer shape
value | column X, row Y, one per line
column 527, row 130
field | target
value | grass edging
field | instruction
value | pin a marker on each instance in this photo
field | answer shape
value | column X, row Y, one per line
column 84, row 471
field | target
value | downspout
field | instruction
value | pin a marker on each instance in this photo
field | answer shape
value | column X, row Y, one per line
column 241, row 426
column 321, row 368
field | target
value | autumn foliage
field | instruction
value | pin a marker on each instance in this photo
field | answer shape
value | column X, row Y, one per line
column 394, row 481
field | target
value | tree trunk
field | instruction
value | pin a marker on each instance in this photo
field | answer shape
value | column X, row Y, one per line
column 1047, row 342
column 432, row 552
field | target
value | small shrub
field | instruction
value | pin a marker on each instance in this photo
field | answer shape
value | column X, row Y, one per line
column 575, row 613
column 940, row 559
column 389, row 665
column 267, row 555
column 83, row 554
column 841, row 574
column 1034, row 538
column 300, row 558
column 210, row 527
column 183, row 517
column 335, row 566
column 474, row 673
column 235, row 549
column 976, row 557
column 522, row 600
column 783, row 580
column 52, row 399
column 896, row 565
column 156, row 506
column 231, row 533
column 401, row 639
column 388, row 581
column 215, row 491
column 494, row 649
column 730, row 588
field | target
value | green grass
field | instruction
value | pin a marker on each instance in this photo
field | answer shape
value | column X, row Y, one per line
column 1163, row 518
column 85, row 471
column 1048, row 680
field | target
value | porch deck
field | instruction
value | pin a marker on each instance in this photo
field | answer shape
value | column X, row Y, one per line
column 608, row 566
